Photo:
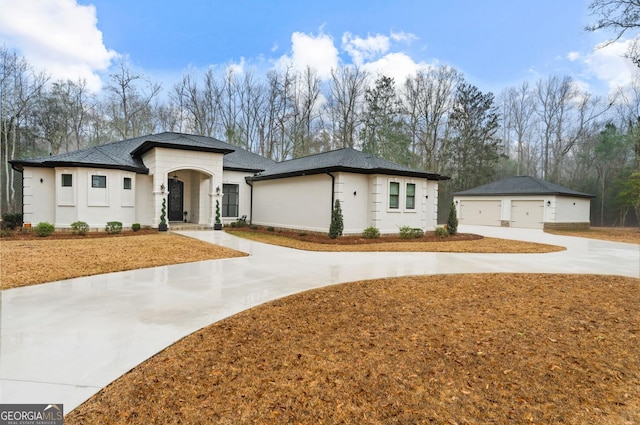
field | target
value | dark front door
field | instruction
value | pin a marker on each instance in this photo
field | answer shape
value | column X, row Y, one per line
column 176, row 199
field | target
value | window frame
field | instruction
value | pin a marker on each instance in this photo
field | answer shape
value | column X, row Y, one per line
column 411, row 197
column 124, row 183
column 394, row 198
column 100, row 177
column 62, row 180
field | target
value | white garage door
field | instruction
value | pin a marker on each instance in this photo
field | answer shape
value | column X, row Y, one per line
column 480, row 213
column 527, row 214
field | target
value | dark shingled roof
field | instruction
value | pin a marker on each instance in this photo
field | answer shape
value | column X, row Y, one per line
column 348, row 160
column 521, row 185
column 126, row 154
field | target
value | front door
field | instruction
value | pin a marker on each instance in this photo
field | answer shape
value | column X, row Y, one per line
column 176, row 199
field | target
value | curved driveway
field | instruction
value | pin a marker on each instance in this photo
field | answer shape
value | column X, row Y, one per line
column 61, row 342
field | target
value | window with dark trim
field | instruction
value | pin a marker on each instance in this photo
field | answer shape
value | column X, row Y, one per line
column 126, row 183
column 99, row 181
column 394, row 195
column 230, row 200
column 411, row 196
column 67, row 180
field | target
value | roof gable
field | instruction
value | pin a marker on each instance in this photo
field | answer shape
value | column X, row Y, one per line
column 521, row 185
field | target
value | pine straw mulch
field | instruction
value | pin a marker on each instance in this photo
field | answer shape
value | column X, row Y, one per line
column 26, row 259
column 461, row 242
column 448, row 349
column 615, row 234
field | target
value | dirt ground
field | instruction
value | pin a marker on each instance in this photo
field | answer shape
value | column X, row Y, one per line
column 26, row 259
column 615, row 234
column 454, row 349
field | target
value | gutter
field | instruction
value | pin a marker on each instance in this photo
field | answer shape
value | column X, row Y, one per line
column 333, row 189
column 250, row 183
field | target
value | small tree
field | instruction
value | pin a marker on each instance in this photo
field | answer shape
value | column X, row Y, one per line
column 337, row 225
column 452, row 221
column 163, row 211
column 217, row 211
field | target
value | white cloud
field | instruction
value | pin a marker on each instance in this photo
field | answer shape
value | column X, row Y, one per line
column 573, row 56
column 59, row 37
column 396, row 65
column 315, row 51
column 609, row 65
column 407, row 37
column 361, row 49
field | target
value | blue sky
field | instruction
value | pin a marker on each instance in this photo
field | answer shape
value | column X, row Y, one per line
column 494, row 43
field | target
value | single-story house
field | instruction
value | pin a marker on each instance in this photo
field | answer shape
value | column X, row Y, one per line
column 526, row 202
column 128, row 180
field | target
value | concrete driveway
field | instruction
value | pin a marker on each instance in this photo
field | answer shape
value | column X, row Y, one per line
column 61, row 342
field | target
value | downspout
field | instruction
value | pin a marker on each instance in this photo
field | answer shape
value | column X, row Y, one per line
column 250, row 200
column 333, row 189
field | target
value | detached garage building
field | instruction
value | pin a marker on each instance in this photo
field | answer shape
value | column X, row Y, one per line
column 525, row 202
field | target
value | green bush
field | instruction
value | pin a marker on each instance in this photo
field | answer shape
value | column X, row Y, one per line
column 12, row 220
column 407, row 232
column 253, row 227
column 270, row 229
column 371, row 233
column 113, row 227
column 302, row 234
column 79, row 228
column 337, row 223
column 44, row 229
column 135, row 227
column 442, row 232
column 452, row 221
column 6, row 233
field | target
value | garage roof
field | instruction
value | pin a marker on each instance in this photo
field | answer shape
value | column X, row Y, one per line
column 521, row 186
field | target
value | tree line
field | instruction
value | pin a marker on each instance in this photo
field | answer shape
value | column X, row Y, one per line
column 434, row 120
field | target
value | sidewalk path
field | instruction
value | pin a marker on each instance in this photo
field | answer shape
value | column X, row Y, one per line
column 61, row 342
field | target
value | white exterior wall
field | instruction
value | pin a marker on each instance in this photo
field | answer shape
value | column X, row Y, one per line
column 389, row 220
column 353, row 191
column 296, row 203
column 571, row 210
column 38, row 196
column 144, row 199
column 244, row 203
column 164, row 163
column 305, row 203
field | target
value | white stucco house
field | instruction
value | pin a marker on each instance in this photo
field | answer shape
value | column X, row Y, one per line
column 525, row 202
column 127, row 181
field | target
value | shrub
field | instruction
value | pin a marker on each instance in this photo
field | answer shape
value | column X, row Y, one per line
column 253, row 227
column 44, row 229
column 302, row 234
column 407, row 232
column 79, row 228
column 12, row 220
column 337, row 224
column 371, row 233
column 442, row 232
column 135, row 227
column 113, row 227
column 452, row 221
column 5, row 233
column 270, row 229
column 233, row 224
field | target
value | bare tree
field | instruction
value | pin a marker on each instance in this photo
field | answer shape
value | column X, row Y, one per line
column 620, row 16
column 518, row 118
column 20, row 86
column 345, row 105
column 130, row 106
column 429, row 99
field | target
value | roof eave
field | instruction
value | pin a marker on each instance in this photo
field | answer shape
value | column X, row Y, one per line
column 573, row 195
column 335, row 169
column 147, row 146
column 53, row 164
